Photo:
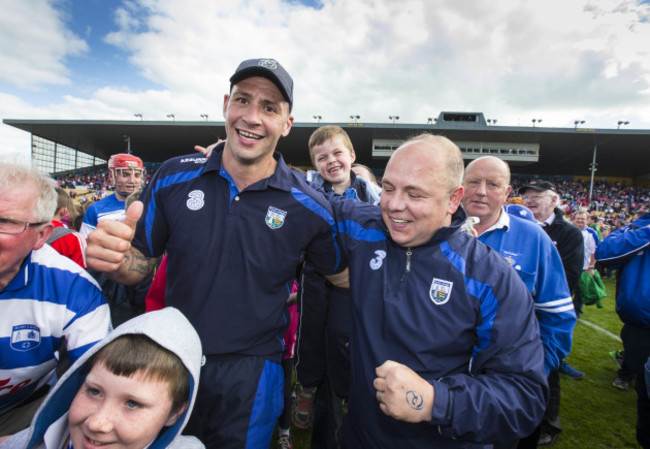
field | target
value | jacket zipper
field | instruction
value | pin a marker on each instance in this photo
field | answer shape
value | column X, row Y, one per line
column 409, row 253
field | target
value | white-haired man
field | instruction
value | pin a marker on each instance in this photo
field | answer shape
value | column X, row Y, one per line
column 44, row 297
column 541, row 198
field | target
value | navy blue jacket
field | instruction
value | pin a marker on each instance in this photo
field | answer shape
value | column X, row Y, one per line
column 457, row 314
column 233, row 255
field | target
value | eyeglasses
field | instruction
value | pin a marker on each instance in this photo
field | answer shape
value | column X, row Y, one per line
column 533, row 197
column 10, row 226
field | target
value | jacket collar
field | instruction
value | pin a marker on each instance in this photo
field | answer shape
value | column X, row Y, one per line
column 24, row 275
column 280, row 179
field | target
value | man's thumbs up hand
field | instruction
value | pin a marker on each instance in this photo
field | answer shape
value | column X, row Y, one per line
column 111, row 241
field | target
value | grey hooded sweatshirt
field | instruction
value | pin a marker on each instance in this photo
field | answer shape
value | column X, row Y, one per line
column 167, row 327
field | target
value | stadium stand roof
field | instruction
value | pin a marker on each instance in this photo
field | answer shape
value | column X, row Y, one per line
column 535, row 150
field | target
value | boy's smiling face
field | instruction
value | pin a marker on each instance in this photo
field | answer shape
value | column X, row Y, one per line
column 334, row 160
column 119, row 412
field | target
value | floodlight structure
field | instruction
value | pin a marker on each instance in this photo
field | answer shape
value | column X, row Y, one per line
column 205, row 116
column 394, row 118
column 536, row 120
column 578, row 122
column 171, row 116
column 138, row 115
column 622, row 122
column 355, row 118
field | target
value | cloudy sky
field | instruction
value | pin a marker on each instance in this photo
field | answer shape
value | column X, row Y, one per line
column 513, row 60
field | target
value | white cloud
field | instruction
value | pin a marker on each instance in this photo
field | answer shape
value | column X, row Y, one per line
column 34, row 43
column 513, row 60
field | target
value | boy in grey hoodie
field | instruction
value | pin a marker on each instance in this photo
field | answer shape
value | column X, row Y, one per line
column 135, row 389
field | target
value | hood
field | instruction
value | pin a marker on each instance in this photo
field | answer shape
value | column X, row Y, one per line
column 167, row 327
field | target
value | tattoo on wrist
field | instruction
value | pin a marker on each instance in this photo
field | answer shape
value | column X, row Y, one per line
column 135, row 261
column 414, row 400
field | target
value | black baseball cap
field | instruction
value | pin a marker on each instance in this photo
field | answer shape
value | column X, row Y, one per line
column 269, row 69
column 540, row 186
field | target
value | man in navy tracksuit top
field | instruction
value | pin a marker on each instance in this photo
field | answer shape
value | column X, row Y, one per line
column 445, row 347
column 627, row 249
column 234, row 227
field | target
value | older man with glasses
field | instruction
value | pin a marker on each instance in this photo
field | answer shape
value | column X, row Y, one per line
column 45, row 298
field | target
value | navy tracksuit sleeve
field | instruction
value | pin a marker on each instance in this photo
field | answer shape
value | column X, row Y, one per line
column 504, row 396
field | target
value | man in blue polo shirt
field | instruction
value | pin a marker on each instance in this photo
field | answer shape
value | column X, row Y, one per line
column 532, row 254
column 234, row 226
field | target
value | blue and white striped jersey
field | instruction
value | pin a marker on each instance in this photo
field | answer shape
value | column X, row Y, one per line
column 49, row 299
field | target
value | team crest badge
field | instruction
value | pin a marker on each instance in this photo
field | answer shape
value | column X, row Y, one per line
column 25, row 337
column 275, row 217
column 440, row 291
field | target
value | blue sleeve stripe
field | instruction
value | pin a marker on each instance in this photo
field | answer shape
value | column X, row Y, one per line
column 312, row 205
column 322, row 212
column 358, row 232
column 161, row 184
column 480, row 290
column 456, row 260
column 489, row 308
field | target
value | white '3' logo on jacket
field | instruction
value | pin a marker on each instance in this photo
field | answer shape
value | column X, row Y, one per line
column 377, row 262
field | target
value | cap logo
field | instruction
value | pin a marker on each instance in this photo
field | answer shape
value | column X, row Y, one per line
column 268, row 64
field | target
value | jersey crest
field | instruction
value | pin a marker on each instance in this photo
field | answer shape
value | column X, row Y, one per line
column 440, row 291
column 25, row 337
column 275, row 217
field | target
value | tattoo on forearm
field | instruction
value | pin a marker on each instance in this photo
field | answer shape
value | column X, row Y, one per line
column 135, row 261
column 414, row 400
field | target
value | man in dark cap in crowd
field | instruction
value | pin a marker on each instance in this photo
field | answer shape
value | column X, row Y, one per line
column 542, row 199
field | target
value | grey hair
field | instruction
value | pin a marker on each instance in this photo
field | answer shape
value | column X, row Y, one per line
column 13, row 175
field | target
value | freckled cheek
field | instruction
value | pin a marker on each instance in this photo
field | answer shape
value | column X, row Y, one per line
column 130, row 429
column 80, row 410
